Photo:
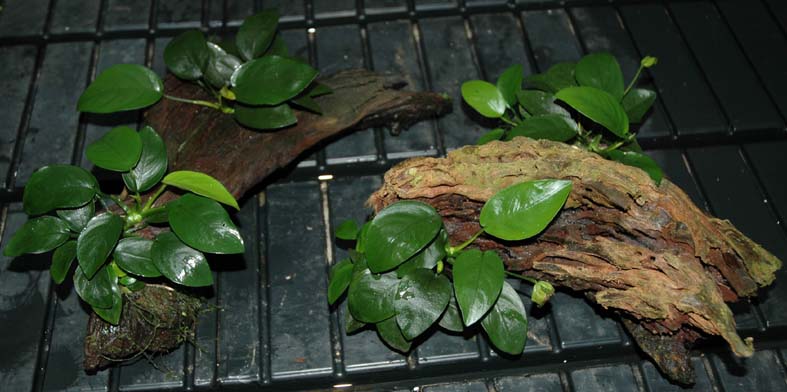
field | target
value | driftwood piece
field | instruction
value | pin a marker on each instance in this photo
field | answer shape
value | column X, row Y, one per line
column 644, row 251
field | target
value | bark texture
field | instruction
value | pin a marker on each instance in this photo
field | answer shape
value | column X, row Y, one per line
column 643, row 250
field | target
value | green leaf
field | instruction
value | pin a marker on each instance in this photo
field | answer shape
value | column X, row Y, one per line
column 637, row 103
column 58, row 186
column 97, row 240
column 360, row 245
column 204, row 224
column 598, row 106
column 131, row 283
column 558, row 77
column 133, row 255
column 351, row 324
column 420, row 300
column 187, row 55
column 308, row 103
column 341, row 275
column 77, row 218
column 525, row 209
column 180, row 263
column 389, row 332
column 509, row 82
column 121, row 87
column 61, row 261
column 37, row 235
column 221, row 65
column 602, row 71
column 484, row 97
column 278, row 48
column 478, row 278
column 538, row 103
column 369, row 297
column 98, row 291
column 347, row 230
column 318, row 89
column 495, row 134
column 201, row 184
column 152, row 163
column 642, row 161
column 271, row 80
column 542, row 292
column 400, row 231
column 157, row 216
column 451, row 319
column 256, row 34
column 265, row 117
column 547, row 126
column 118, row 150
column 427, row 258
column 112, row 314
column 506, row 323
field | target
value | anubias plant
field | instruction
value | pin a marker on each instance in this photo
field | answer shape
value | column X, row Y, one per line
column 592, row 88
column 112, row 257
column 252, row 78
column 403, row 276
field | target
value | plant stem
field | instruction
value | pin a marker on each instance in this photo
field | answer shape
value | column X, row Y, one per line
column 523, row 277
column 153, row 198
column 634, row 80
column 213, row 105
column 453, row 250
column 151, row 211
column 508, row 121
column 119, row 202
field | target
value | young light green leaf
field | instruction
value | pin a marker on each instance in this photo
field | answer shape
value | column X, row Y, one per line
column 542, row 292
column 525, row 209
column 478, row 278
column 398, row 232
column 152, row 163
column 597, row 105
column 98, row 291
column 426, row 258
column 256, row 34
column 58, row 186
column 557, row 77
column 282, row 78
column 420, row 300
column 118, row 150
column 538, row 103
column 509, row 82
column 77, row 218
column 97, row 240
column 180, row 263
column 370, row 298
column 121, row 87
column 133, row 255
column 506, row 323
column 187, row 55
column 451, row 319
column 347, row 230
column 640, row 160
column 495, row 134
column 547, row 126
column 484, row 97
column 389, row 332
column 637, row 102
column 61, row 261
column 112, row 314
column 201, row 184
column 204, row 224
column 38, row 235
column 221, row 65
column 340, row 277
column 602, row 71
column 265, row 117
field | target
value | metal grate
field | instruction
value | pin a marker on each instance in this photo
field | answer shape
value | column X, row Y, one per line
column 718, row 129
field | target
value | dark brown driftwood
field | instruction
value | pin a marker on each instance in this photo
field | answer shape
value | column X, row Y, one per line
column 644, row 251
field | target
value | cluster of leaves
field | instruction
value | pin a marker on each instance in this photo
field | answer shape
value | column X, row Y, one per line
column 112, row 258
column 252, row 78
column 592, row 88
column 403, row 276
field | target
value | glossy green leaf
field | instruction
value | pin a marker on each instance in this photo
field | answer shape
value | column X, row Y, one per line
column 525, row 209
column 221, row 65
column 118, row 150
column 506, row 323
column 495, row 134
column 538, row 103
column 201, row 184
column 637, row 103
column 420, row 300
column 547, row 126
column 340, row 277
column 509, row 83
column 318, row 89
column 598, row 106
column 478, row 278
column 265, row 117
column 351, row 324
column 602, row 71
column 157, row 217
column 97, row 240
column 271, row 80
column 308, row 103
column 360, row 244
column 131, row 283
column 484, row 97
column 452, row 319
column 400, row 231
column 77, row 218
column 347, row 230
column 426, row 258
column 557, row 77
column 58, row 186
column 389, row 332
column 98, row 291
column 204, row 224
column 256, row 34
column 640, row 160
column 370, row 298
column 37, row 235
column 112, row 314
column 180, row 263
column 133, row 255
column 61, row 261
column 152, row 163
column 278, row 48
column 187, row 55
column 121, row 87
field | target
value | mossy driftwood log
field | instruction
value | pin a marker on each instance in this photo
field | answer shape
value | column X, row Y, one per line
column 203, row 139
column 645, row 251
